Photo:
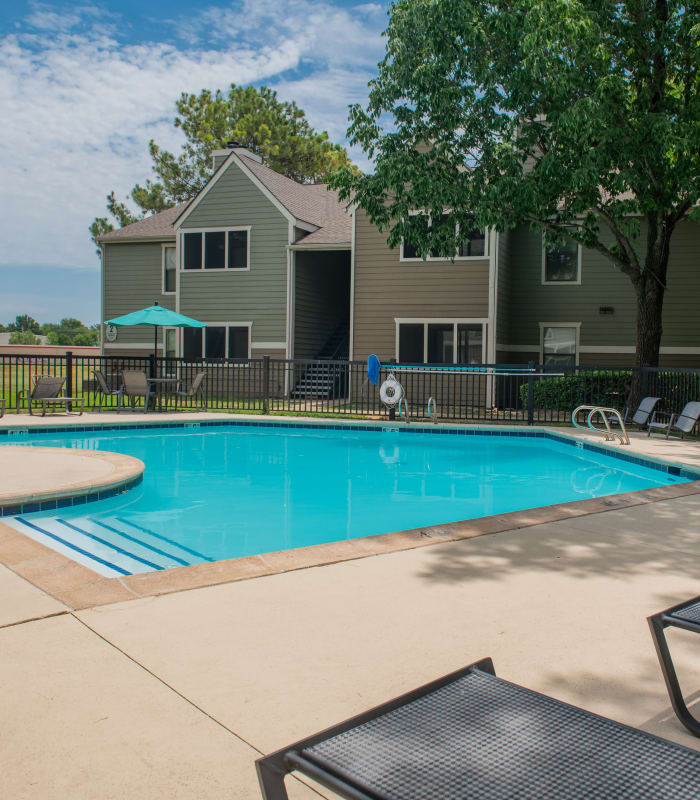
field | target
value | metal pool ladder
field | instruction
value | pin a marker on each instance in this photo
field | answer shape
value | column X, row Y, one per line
column 606, row 432
column 431, row 402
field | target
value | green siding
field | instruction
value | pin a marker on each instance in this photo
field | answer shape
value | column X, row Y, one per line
column 527, row 302
column 258, row 295
column 132, row 280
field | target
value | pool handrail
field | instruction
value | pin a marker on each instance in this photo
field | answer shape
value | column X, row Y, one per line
column 608, row 433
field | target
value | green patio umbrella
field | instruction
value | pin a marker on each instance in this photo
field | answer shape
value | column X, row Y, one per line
column 158, row 317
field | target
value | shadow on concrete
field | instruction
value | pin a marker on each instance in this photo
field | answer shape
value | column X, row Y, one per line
column 659, row 536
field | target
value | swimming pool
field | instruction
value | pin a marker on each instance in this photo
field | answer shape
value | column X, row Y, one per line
column 222, row 491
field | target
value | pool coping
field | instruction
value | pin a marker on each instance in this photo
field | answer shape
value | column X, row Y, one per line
column 127, row 473
column 77, row 586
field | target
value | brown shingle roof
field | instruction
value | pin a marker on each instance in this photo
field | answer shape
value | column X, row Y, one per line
column 157, row 226
column 308, row 202
column 313, row 203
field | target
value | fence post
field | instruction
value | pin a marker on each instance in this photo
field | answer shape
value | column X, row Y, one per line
column 530, row 393
column 266, row 384
column 645, row 381
column 69, row 378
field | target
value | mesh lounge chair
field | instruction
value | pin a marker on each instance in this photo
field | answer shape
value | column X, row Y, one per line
column 684, row 422
column 105, row 391
column 685, row 616
column 46, row 387
column 136, row 385
column 473, row 735
column 195, row 389
column 643, row 413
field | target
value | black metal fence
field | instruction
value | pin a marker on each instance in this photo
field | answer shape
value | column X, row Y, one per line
column 518, row 393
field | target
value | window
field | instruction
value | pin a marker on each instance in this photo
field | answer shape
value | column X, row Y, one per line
column 237, row 250
column 561, row 263
column 470, row 344
column 474, row 245
column 193, row 251
column 238, row 342
column 211, row 250
column 216, row 342
column 411, row 344
column 170, row 342
column 417, row 222
column 169, row 270
column 214, row 250
column 559, row 344
column 440, row 342
column 192, row 343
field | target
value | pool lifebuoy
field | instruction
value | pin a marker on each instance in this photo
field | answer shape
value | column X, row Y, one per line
column 391, row 391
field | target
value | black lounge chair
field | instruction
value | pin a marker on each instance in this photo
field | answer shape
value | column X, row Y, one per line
column 644, row 412
column 105, row 390
column 195, row 390
column 687, row 617
column 47, row 392
column 473, row 736
column 683, row 423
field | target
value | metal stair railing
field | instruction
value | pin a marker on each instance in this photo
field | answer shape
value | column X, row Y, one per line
column 607, row 432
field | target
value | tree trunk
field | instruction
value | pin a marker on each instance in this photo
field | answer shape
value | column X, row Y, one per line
column 650, row 287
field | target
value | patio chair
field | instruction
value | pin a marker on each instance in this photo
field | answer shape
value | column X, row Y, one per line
column 684, row 422
column 135, row 384
column 643, row 413
column 46, row 392
column 685, row 616
column 105, row 391
column 473, row 735
column 195, row 389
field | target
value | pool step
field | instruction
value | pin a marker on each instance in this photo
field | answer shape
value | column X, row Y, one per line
column 110, row 546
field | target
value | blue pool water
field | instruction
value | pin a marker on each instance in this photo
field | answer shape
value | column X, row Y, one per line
column 225, row 491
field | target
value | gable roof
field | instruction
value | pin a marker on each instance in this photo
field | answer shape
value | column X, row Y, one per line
column 308, row 202
column 312, row 204
column 157, row 226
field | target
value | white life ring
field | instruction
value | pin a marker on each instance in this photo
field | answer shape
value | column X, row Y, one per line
column 391, row 391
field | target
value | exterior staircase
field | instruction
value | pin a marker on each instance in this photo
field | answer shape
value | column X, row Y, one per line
column 325, row 378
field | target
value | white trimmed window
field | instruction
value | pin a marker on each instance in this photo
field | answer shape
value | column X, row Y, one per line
column 436, row 341
column 228, row 248
column 217, row 341
column 475, row 244
column 559, row 343
column 170, row 342
column 561, row 264
column 169, row 269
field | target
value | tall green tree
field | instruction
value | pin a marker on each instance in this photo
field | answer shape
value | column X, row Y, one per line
column 23, row 322
column 580, row 118
column 255, row 118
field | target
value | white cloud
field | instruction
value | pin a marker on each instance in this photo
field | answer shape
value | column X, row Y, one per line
column 80, row 104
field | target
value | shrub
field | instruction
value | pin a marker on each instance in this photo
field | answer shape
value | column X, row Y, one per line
column 591, row 388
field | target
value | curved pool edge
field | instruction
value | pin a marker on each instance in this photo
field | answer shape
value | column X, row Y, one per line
column 78, row 587
column 125, row 473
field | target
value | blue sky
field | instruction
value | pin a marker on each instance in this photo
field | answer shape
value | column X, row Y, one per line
column 85, row 86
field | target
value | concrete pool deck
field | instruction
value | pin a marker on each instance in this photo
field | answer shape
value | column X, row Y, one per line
column 177, row 695
column 79, row 587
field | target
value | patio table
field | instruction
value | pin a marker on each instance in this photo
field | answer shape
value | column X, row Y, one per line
column 685, row 616
column 159, row 385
